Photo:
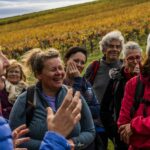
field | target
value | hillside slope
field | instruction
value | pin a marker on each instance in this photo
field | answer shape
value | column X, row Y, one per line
column 82, row 25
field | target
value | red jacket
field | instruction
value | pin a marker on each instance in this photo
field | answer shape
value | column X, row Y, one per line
column 140, row 139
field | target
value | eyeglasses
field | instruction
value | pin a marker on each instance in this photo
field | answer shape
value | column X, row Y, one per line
column 133, row 58
column 114, row 46
column 77, row 61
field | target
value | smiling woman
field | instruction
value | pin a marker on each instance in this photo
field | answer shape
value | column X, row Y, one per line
column 13, row 85
column 14, row 8
column 49, row 91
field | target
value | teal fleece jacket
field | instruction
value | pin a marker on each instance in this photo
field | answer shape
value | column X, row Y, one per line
column 83, row 133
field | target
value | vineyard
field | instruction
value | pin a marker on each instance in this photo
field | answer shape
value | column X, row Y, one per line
column 82, row 25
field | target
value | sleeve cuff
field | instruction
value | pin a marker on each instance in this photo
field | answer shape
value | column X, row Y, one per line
column 57, row 138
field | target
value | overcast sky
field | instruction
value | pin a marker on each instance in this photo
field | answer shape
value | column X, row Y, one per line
column 17, row 7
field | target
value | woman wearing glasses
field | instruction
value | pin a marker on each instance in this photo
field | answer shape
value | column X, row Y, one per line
column 111, row 102
column 134, row 118
column 14, row 85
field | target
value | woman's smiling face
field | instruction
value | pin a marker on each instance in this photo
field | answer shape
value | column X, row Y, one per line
column 52, row 75
column 80, row 59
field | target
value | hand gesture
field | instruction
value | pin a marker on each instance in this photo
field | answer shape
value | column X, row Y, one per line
column 125, row 132
column 66, row 116
column 17, row 133
column 72, row 70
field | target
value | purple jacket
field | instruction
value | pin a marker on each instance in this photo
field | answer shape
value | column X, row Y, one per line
column 6, row 106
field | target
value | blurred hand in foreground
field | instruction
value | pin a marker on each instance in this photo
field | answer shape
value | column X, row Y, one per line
column 68, row 114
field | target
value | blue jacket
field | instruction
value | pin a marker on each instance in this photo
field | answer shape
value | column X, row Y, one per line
column 54, row 141
column 51, row 140
column 6, row 142
column 83, row 133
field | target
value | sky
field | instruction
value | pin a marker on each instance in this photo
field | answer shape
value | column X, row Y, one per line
column 10, row 8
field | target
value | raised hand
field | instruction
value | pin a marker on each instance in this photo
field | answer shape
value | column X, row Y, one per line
column 72, row 70
column 66, row 116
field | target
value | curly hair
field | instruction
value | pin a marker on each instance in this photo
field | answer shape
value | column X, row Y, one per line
column 14, row 64
column 114, row 35
column 129, row 47
column 36, row 57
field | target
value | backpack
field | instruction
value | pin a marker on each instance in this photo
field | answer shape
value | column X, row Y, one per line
column 94, row 68
column 138, row 98
column 29, row 104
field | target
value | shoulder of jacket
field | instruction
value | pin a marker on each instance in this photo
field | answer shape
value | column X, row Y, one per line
column 65, row 87
column 21, row 99
column 2, row 121
column 4, row 129
column 133, row 80
column 93, row 63
column 132, row 83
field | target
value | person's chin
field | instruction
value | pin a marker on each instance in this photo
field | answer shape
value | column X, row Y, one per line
column 58, row 85
column 114, row 58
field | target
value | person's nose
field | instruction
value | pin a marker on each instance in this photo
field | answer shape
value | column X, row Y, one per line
column 79, row 64
column 14, row 73
column 116, row 49
column 58, row 71
column 136, row 61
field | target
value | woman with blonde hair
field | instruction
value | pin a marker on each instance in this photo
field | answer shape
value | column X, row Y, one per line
column 14, row 85
column 15, row 80
column 49, row 91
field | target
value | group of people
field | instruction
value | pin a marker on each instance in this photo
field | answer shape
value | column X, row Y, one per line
column 79, row 112
column 68, row 114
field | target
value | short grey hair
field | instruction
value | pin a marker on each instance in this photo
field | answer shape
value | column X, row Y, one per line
column 148, row 45
column 129, row 47
column 114, row 35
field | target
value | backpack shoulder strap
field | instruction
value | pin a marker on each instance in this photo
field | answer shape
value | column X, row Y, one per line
column 139, row 92
column 94, row 68
column 29, row 104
